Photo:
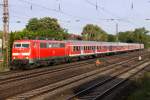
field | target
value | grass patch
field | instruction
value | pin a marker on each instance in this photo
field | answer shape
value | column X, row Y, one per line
column 143, row 90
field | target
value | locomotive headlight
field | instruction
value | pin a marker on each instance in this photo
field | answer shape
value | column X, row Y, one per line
column 27, row 57
column 14, row 57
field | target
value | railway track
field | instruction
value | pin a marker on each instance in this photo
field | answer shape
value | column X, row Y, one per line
column 13, row 86
column 53, row 89
column 11, row 74
column 105, row 87
column 15, row 75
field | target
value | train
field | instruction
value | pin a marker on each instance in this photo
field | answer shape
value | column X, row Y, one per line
column 34, row 53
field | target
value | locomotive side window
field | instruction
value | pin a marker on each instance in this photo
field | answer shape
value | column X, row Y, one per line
column 56, row 45
column 62, row 45
column 43, row 45
column 49, row 45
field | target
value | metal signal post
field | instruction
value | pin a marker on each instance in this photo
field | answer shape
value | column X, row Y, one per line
column 117, row 40
column 5, row 32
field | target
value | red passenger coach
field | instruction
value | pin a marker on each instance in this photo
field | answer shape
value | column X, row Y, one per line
column 31, row 53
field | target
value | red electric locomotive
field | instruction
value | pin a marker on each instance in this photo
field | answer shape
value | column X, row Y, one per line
column 33, row 53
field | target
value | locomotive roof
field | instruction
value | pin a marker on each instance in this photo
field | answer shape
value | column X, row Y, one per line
column 39, row 41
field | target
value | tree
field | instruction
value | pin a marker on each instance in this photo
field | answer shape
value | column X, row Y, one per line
column 94, row 32
column 139, row 35
column 44, row 28
column 126, row 36
column 1, row 34
column 43, row 24
column 111, row 38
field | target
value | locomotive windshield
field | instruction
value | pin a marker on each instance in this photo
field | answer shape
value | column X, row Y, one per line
column 21, row 45
column 17, row 45
column 25, row 45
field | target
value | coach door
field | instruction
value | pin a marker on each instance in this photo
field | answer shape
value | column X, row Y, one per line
column 82, row 50
column 95, row 49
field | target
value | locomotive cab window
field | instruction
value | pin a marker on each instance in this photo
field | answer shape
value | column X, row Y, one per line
column 21, row 45
column 25, row 45
column 18, row 45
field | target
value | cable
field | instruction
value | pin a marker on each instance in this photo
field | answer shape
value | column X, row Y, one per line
column 110, row 13
column 62, row 12
column 31, row 3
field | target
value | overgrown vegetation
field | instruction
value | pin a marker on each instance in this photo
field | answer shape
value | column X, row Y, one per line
column 143, row 90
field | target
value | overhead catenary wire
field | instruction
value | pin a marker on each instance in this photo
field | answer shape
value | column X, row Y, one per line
column 77, row 18
column 112, row 14
column 67, row 14
column 62, row 12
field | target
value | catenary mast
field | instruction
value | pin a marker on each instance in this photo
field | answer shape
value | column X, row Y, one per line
column 5, row 32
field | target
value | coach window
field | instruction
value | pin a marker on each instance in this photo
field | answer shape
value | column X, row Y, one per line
column 98, row 47
column 74, row 48
column 93, row 48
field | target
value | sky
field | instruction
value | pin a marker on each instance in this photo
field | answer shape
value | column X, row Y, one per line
column 73, row 15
